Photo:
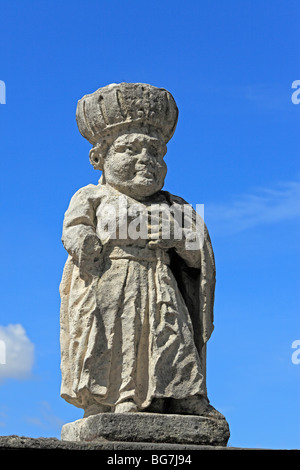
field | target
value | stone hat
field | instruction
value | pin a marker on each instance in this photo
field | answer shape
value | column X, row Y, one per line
column 116, row 108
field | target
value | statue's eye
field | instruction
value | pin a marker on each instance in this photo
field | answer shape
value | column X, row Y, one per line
column 120, row 148
column 134, row 149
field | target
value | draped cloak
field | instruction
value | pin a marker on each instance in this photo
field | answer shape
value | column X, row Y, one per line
column 134, row 321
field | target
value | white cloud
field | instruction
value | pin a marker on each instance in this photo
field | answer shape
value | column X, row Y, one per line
column 263, row 206
column 16, row 353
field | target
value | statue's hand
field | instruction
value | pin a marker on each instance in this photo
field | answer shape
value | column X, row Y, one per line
column 89, row 258
column 166, row 236
column 190, row 241
column 164, row 244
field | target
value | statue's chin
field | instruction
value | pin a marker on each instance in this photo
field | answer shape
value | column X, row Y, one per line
column 139, row 190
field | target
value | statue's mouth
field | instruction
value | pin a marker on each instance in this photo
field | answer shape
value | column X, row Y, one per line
column 145, row 172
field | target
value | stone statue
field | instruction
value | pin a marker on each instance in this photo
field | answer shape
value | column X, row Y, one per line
column 136, row 305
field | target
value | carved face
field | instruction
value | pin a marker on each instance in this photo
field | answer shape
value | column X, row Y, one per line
column 134, row 165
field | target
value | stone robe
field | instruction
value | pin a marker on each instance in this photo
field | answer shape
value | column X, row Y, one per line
column 134, row 320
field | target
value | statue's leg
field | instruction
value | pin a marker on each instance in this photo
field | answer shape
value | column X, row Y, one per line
column 195, row 405
column 157, row 405
column 126, row 407
column 95, row 409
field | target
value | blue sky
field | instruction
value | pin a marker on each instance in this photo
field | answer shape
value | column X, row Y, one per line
column 230, row 67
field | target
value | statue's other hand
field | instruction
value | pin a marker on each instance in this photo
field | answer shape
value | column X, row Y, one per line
column 89, row 259
column 164, row 244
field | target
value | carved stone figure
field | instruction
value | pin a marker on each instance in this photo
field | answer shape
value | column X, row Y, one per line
column 136, row 305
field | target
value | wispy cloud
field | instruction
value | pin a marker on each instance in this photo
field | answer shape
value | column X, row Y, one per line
column 46, row 419
column 262, row 206
column 17, row 353
column 260, row 97
column 268, row 96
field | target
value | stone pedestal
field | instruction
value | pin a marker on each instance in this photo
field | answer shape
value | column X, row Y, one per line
column 149, row 428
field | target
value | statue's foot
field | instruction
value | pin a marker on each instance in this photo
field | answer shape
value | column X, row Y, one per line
column 157, row 406
column 195, row 405
column 95, row 409
column 126, row 407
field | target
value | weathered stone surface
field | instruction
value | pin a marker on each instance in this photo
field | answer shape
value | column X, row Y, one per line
column 43, row 443
column 149, row 427
column 136, row 302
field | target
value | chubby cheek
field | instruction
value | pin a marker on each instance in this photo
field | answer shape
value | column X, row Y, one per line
column 120, row 170
column 160, row 172
column 163, row 169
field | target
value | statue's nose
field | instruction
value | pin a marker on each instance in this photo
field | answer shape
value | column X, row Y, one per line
column 143, row 154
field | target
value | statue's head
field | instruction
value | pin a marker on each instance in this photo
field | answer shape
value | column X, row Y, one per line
column 129, row 126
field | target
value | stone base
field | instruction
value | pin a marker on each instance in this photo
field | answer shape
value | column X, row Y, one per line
column 149, row 428
column 106, row 447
